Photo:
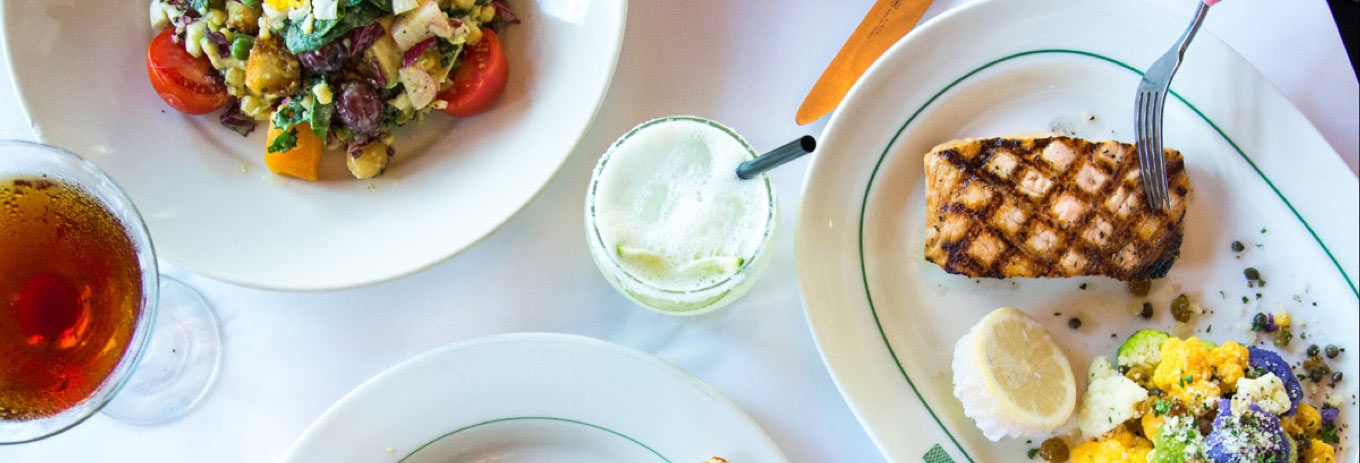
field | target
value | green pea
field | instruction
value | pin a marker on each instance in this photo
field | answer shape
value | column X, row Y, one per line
column 240, row 48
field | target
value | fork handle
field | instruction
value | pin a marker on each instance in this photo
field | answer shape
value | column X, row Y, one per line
column 1189, row 33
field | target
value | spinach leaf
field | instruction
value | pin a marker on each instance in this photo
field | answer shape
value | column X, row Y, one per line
column 321, row 114
column 284, row 142
column 325, row 31
column 290, row 114
column 447, row 52
column 385, row 5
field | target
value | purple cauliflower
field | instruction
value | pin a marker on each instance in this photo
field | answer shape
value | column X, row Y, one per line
column 1265, row 361
column 1255, row 436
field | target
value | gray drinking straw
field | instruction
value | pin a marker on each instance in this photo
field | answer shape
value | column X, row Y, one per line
column 776, row 157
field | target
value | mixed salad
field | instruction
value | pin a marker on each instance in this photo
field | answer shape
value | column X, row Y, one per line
column 328, row 74
column 1172, row 400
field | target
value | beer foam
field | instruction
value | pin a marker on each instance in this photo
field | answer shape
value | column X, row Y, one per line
column 672, row 190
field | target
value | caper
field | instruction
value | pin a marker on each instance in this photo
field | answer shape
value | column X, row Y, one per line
column 1074, row 323
column 1252, row 274
column 1282, row 337
column 1053, row 450
column 1333, row 351
column 1313, row 350
column 1147, row 310
column 1336, row 378
column 1140, row 288
column 1237, row 246
column 1180, row 308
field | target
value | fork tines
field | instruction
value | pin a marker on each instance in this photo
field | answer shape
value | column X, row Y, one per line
column 1148, row 127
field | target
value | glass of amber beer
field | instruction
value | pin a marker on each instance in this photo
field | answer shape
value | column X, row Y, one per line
column 84, row 314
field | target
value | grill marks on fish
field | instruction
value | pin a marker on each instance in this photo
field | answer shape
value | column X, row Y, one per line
column 1049, row 206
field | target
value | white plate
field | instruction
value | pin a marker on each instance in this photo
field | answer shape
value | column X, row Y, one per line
column 886, row 320
column 534, row 397
column 212, row 206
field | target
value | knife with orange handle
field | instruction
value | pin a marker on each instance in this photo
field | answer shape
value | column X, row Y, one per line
column 887, row 21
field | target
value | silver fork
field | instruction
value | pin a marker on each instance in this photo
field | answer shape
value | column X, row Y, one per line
column 1147, row 113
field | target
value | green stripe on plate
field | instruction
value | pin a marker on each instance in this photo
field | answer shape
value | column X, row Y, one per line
column 937, row 455
column 536, row 418
column 864, row 273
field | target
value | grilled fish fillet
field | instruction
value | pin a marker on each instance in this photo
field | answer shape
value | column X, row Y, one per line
column 1049, row 206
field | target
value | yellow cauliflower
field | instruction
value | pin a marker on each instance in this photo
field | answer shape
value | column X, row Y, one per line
column 1120, row 446
column 1186, row 374
column 1151, row 422
column 1306, row 421
column 1319, row 452
column 1230, row 363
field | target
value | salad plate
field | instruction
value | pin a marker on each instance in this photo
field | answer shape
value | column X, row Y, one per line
column 534, row 397
column 214, row 208
column 886, row 320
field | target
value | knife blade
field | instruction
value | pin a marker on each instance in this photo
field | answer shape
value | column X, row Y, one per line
column 887, row 21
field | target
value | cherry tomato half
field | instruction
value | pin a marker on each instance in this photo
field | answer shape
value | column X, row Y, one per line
column 480, row 80
column 186, row 83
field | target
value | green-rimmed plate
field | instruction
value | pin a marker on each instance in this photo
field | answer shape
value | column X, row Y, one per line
column 533, row 397
column 886, row 320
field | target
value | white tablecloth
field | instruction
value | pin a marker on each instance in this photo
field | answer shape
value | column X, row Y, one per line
column 747, row 63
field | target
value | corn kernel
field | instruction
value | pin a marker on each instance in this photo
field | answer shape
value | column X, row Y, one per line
column 323, row 93
column 473, row 36
column 235, row 77
column 488, row 13
column 216, row 17
column 464, row 4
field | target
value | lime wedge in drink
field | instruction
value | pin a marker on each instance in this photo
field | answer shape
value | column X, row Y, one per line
column 710, row 268
column 642, row 259
column 702, row 270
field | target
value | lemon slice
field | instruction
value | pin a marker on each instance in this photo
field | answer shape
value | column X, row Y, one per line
column 1012, row 378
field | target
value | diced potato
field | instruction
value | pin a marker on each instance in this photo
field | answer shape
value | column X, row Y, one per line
column 369, row 161
column 271, row 70
column 243, row 18
column 303, row 161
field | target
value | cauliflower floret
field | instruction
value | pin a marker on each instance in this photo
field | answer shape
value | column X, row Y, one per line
column 1230, row 363
column 1186, row 375
column 1307, row 421
column 1266, row 391
column 1110, row 399
column 1177, row 441
column 1121, row 446
column 1319, row 452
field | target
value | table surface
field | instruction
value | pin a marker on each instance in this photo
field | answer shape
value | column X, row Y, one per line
column 748, row 64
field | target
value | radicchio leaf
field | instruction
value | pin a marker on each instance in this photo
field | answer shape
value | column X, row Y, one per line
column 234, row 120
column 414, row 53
column 364, row 37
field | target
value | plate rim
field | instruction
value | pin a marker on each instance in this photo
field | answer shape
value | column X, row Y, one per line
column 822, row 337
column 242, row 279
column 548, row 339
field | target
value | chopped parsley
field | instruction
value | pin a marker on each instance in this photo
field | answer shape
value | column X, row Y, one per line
column 1161, row 407
column 284, row 141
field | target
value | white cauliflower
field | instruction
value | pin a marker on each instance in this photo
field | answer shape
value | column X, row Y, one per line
column 1266, row 391
column 1110, row 400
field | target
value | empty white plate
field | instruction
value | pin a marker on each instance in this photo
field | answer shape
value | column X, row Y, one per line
column 534, row 397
